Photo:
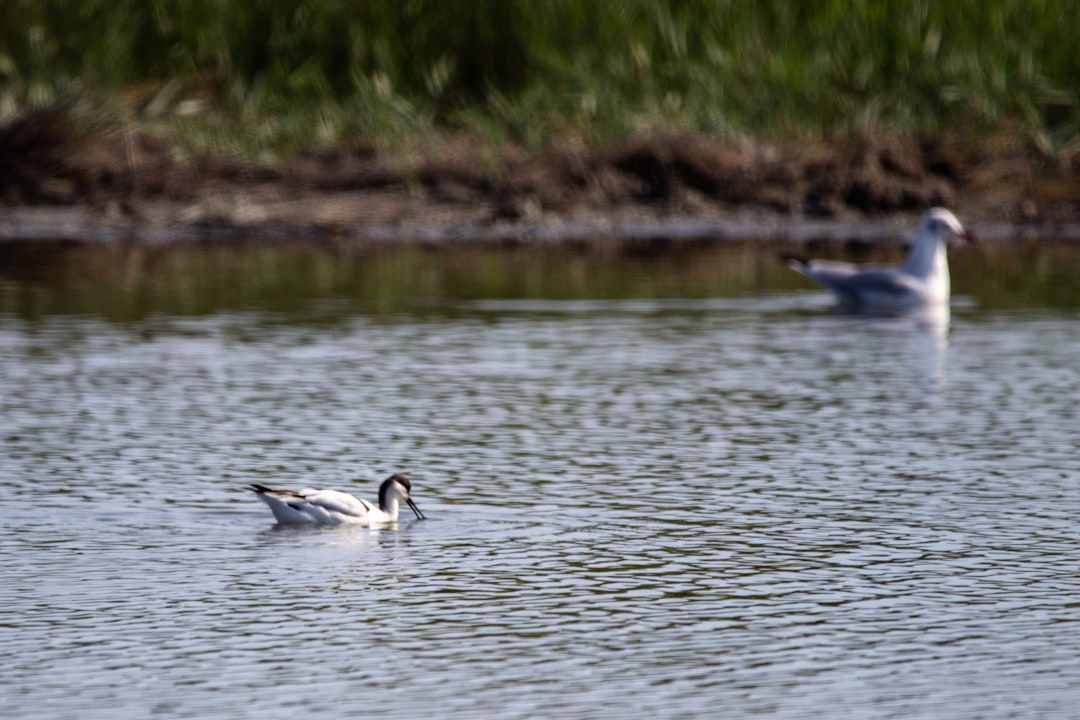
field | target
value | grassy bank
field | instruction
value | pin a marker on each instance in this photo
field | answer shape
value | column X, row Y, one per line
column 265, row 79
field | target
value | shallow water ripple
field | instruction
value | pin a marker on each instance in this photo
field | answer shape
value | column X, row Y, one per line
column 666, row 509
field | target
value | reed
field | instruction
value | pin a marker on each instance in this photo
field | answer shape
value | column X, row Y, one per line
column 278, row 75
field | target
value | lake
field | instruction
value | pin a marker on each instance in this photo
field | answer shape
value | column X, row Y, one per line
column 661, row 481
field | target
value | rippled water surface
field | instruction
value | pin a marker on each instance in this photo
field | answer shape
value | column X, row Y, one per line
column 652, row 497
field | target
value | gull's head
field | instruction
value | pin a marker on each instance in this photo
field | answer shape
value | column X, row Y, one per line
column 943, row 227
column 397, row 486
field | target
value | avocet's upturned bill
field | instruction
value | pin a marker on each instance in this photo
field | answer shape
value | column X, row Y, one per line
column 333, row 507
column 922, row 281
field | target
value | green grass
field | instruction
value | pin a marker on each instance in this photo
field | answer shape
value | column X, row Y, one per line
column 263, row 79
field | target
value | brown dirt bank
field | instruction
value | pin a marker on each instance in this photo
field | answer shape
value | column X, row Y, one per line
column 120, row 182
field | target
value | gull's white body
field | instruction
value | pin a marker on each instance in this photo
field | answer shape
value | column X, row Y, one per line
column 922, row 281
column 334, row 507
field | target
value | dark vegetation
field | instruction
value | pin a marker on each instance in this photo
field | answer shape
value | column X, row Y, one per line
column 508, row 111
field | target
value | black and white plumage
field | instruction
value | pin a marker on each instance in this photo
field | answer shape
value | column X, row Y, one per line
column 922, row 281
column 334, row 507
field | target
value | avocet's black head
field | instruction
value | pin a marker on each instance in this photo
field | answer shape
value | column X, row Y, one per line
column 398, row 484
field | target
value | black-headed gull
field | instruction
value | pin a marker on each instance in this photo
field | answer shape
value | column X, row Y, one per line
column 333, row 507
column 922, row 281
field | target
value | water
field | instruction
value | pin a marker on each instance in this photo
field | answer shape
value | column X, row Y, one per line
column 658, row 486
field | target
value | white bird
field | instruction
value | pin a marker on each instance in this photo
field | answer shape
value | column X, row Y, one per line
column 333, row 507
column 922, row 281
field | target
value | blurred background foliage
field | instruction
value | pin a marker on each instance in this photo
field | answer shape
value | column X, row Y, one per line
column 274, row 76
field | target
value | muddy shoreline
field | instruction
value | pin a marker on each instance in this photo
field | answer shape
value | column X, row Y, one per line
column 122, row 184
